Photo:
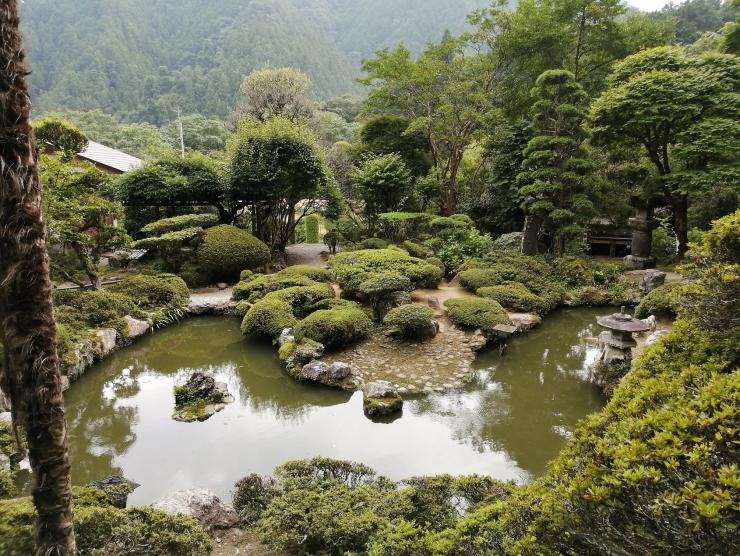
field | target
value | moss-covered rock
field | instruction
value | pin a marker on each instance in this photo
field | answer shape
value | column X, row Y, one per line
column 302, row 299
column 477, row 312
column 334, row 328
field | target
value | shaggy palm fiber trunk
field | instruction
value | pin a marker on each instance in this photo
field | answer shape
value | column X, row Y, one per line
column 30, row 374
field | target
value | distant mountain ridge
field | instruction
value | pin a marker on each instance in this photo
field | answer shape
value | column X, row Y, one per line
column 141, row 59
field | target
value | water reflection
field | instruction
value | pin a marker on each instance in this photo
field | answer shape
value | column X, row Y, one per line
column 508, row 423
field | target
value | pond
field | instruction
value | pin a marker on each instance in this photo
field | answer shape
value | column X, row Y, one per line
column 508, row 423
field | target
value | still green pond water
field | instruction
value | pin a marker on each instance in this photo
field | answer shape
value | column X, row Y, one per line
column 508, row 423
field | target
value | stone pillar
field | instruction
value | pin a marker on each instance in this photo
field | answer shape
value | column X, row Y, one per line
column 642, row 225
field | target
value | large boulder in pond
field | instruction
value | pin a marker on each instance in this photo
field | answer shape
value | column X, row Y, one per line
column 202, row 505
column 380, row 399
column 336, row 375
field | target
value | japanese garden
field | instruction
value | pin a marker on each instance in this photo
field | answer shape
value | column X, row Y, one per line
column 334, row 277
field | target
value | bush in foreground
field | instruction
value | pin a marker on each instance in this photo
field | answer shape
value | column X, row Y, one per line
column 101, row 529
column 663, row 300
column 412, row 321
column 335, row 328
column 227, row 250
column 476, row 312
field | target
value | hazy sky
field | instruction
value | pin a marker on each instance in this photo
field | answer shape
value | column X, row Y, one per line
column 650, row 5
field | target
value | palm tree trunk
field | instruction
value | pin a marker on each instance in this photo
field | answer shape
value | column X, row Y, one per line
column 30, row 374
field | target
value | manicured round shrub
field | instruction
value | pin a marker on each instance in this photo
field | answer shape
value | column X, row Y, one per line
column 227, row 250
column 663, row 300
column 380, row 289
column 476, row 312
column 152, row 292
column 373, row 243
column 335, row 328
column 412, row 321
column 475, row 278
column 246, row 275
column 268, row 318
column 516, row 297
column 101, row 528
column 258, row 287
column 313, row 272
column 436, row 261
column 302, row 299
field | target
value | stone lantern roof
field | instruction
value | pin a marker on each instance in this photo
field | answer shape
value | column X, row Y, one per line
column 622, row 322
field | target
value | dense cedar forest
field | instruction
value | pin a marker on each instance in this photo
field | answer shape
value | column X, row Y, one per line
column 142, row 58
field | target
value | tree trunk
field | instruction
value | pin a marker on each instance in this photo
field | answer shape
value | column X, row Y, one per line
column 30, row 375
column 531, row 234
column 680, row 206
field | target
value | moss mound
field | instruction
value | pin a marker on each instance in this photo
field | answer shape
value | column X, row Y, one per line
column 315, row 273
column 268, row 318
column 256, row 288
column 412, row 321
column 663, row 300
column 227, row 250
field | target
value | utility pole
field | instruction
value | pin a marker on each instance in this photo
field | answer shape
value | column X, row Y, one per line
column 182, row 136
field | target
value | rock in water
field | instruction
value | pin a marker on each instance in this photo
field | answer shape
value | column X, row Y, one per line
column 380, row 399
column 135, row 327
column 200, row 398
column 117, row 488
column 202, row 505
column 336, row 375
column 651, row 279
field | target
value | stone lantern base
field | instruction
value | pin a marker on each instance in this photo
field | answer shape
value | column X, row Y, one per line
column 631, row 262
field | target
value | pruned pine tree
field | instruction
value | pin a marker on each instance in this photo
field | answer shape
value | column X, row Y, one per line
column 555, row 179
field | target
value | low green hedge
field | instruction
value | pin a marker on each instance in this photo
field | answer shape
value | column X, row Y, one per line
column 261, row 285
column 311, row 223
column 315, row 273
column 227, row 250
column 373, row 243
column 416, row 249
column 476, row 312
column 183, row 222
column 411, row 320
column 335, row 328
column 516, row 297
column 268, row 317
column 101, row 529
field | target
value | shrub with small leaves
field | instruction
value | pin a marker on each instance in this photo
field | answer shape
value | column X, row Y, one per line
column 412, row 321
column 259, row 286
column 476, row 312
column 663, row 300
column 227, row 250
column 335, row 328
column 516, row 297
column 182, row 222
column 268, row 318
column 313, row 272
column 373, row 243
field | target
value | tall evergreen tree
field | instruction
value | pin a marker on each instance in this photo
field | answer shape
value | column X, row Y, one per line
column 30, row 368
column 554, row 181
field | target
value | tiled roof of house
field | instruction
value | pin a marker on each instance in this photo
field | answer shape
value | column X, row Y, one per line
column 112, row 158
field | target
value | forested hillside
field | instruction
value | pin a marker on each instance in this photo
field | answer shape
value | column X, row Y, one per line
column 141, row 59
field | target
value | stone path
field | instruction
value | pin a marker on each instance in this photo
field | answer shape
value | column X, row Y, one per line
column 312, row 254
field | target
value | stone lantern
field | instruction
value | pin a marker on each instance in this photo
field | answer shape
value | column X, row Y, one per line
column 618, row 335
column 616, row 344
column 642, row 225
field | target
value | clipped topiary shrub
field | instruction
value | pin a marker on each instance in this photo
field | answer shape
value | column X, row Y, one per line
column 476, row 312
column 373, row 243
column 246, row 275
column 311, row 223
column 268, row 318
column 227, row 250
column 353, row 268
column 315, row 273
column 101, row 528
column 259, row 286
column 176, row 223
column 303, row 299
column 663, row 300
column 82, row 309
column 380, row 290
column 335, row 328
column 416, row 249
column 165, row 294
column 516, row 297
column 412, row 321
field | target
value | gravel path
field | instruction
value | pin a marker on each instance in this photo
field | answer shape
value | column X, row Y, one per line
column 312, row 254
